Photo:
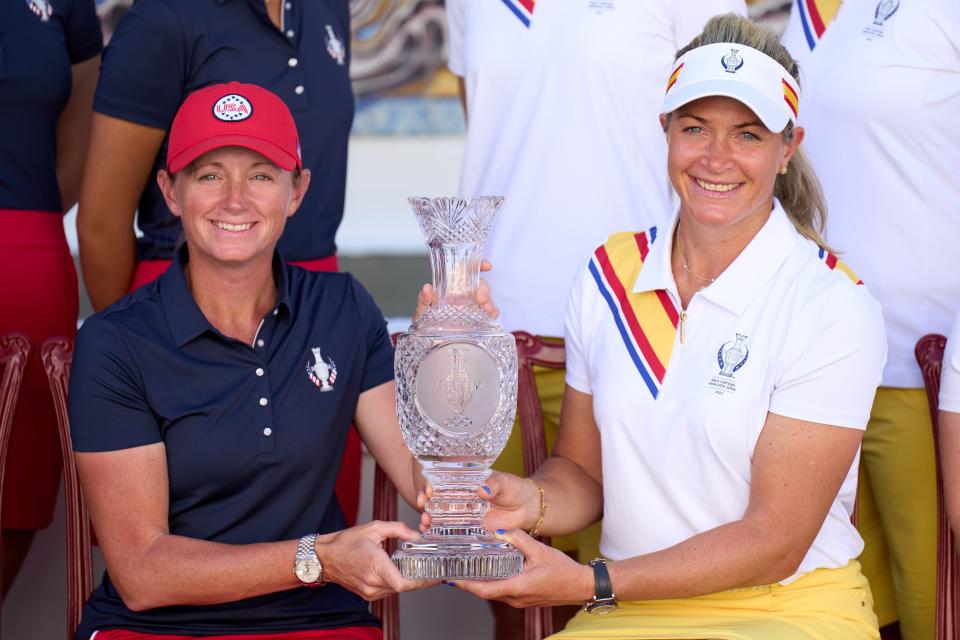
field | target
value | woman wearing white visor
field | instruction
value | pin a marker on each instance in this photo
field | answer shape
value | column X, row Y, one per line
column 720, row 372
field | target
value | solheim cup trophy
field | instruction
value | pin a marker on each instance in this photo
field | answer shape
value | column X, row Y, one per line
column 456, row 375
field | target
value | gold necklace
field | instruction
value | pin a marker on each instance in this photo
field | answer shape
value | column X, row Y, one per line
column 683, row 261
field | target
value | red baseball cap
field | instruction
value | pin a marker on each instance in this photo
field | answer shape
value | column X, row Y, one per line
column 233, row 114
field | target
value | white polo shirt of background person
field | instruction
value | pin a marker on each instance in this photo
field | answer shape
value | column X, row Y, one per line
column 950, row 376
column 563, row 106
column 881, row 93
column 677, row 461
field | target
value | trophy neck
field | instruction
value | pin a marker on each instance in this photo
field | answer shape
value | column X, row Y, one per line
column 456, row 231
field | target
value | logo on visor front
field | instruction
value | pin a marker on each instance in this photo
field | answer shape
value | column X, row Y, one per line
column 232, row 108
column 732, row 61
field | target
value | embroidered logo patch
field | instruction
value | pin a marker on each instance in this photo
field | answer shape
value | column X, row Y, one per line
column 322, row 373
column 335, row 46
column 42, row 8
column 731, row 356
column 885, row 9
column 732, row 61
column 232, row 108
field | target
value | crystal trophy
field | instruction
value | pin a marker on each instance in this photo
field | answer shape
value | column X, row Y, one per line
column 456, row 371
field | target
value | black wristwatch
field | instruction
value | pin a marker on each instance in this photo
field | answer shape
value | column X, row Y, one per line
column 603, row 599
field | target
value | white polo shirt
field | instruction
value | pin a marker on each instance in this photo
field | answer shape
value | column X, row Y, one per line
column 779, row 331
column 563, row 103
column 879, row 102
column 950, row 376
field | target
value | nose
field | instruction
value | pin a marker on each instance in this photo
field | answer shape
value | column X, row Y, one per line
column 719, row 155
column 234, row 194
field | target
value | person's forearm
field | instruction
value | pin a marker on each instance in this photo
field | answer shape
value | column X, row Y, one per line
column 738, row 554
column 108, row 258
column 573, row 499
column 175, row 570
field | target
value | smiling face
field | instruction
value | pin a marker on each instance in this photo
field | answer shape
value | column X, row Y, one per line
column 233, row 203
column 723, row 163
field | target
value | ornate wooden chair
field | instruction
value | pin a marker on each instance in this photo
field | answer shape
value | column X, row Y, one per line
column 929, row 353
column 14, row 355
column 57, row 355
column 534, row 350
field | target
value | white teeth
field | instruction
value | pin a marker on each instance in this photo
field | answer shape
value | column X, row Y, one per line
column 226, row 226
column 722, row 188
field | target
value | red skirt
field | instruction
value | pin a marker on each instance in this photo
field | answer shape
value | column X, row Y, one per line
column 38, row 297
column 344, row 633
column 348, row 479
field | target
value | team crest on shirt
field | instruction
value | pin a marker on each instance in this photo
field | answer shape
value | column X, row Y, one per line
column 732, row 61
column 335, row 46
column 600, row 7
column 731, row 356
column 42, row 8
column 885, row 9
column 322, row 372
column 232, row 108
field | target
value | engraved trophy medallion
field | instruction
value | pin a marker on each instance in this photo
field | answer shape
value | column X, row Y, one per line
column 456, row 373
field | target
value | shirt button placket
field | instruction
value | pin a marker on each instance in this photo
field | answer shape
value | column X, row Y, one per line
column 266, row 441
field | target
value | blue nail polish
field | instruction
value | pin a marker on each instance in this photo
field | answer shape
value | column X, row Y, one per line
column 451, row 584
column 500, row 532
column 487, row 489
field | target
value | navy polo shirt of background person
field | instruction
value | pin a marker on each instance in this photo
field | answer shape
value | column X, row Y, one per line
column 163, row 50
column 39, row 41
column 254, row 434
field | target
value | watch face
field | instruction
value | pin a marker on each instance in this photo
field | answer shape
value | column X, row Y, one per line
column 601, row 607
column 308, row 570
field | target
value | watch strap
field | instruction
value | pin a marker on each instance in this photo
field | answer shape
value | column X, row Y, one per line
column 603, row 588
column 306, row 547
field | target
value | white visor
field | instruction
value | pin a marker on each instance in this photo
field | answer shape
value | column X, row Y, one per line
column 739, row 72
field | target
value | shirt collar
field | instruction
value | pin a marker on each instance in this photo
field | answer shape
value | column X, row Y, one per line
column 739, row 284
column 184, row 317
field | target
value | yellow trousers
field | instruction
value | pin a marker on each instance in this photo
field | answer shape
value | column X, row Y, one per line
column 826, row 604
column 550, row 386
column 897, row 506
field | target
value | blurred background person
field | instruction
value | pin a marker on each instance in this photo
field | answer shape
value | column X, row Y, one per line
column 881, row 93
column 163, row 50
column 49, row 55
column 561, row 104
column 950, row 426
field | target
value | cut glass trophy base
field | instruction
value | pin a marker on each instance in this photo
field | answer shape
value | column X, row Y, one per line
column 451, row 557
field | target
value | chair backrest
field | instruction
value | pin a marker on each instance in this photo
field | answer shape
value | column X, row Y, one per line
column 535, row 351
column 929, row 353
column 57, row 356
column 14, row 354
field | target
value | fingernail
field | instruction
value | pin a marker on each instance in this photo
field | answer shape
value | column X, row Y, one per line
column 500, row 532
column 487, row 489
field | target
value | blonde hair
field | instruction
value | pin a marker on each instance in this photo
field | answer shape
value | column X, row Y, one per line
column 799, row 189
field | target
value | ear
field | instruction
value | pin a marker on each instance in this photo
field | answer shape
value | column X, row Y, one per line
column 165, row 181
column 299, row 191
column 791, row 148
column 664, row 122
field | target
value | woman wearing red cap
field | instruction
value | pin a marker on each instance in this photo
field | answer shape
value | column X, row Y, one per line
column 49, row 54
column 210, row 409
column 720, row 371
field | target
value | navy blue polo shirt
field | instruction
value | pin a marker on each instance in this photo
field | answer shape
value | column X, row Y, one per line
column 254, row 434
column 165, row 49
column 39, row 41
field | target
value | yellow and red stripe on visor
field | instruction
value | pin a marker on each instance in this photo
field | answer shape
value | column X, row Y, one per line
column 791, row 98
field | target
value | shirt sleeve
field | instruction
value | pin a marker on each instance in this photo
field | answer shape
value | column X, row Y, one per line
column 833, row 362
column 144, row 69
column 578, row 371
column 84, row 38
column 689, row 18
column 455, row 43
column 378, row 367
column 950, row 378
column 108, row 405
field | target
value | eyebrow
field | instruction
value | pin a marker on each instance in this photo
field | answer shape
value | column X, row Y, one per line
column 743, row 125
